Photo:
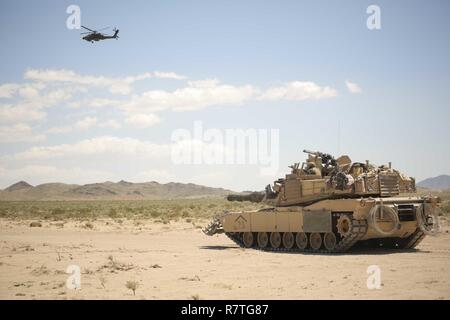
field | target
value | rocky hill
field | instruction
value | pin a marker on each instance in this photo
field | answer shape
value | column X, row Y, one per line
column 441, row 182
column 121, row 190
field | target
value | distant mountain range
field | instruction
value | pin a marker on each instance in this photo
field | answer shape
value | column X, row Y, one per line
column 440, row 182
column 121, row 190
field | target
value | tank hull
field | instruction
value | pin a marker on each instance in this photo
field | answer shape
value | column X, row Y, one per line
column 329, row 226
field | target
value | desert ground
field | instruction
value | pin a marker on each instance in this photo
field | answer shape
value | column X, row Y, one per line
column 175, row 260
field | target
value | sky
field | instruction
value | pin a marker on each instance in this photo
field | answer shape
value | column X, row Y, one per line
column 295, row 74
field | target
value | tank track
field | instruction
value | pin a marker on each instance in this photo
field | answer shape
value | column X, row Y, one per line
column 414, row 239
column 409, row 242
column 359, row 229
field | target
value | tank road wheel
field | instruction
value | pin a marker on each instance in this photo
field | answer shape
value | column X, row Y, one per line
column 262, row 239
column 329, row 241
column 288, row 240
column 247, row 238
column 301, row 240
column 315, row 239
column 275, row 240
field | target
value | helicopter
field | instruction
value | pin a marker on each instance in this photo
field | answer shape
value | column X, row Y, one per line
column 95, row 35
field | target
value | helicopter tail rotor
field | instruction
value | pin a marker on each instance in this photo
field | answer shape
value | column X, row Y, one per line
column 116, row 32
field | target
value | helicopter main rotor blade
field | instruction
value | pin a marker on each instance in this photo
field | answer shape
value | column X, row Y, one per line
column 88, row 29
column 85, row 32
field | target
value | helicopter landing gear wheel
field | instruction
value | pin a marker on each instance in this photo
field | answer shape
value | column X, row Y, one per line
column 275, row 240
column 301, row 240
column 315, row 240
column 262, row 239
column 247, row 239
column 288, row 240
column 329, row 241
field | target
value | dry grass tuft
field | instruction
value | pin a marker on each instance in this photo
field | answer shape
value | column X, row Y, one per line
column 195, row 278
column 103, row 281
column 114, row 265
column 88, row 225
column 42, row 270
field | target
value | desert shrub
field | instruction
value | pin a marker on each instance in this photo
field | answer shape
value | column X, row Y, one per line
column 58, row 211
column 446, row 207
column 185, row 214
column 113, row 213
column 35, row 224
column 132, row 285
column 155, row 213
column 88, row 225
column 84, row 212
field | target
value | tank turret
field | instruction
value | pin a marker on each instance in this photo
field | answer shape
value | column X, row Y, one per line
column 322, row 176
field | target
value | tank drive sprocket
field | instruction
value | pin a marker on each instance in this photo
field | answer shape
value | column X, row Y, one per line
column 344, row 225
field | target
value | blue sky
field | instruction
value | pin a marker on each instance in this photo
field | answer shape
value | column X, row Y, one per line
column 249, row 51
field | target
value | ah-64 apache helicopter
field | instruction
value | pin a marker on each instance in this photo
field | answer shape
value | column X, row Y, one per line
column 94, row 35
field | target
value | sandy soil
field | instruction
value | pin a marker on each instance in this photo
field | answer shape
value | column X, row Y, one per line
column 176, row 261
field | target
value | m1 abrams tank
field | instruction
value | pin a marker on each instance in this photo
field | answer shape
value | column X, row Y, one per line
column 329, row 205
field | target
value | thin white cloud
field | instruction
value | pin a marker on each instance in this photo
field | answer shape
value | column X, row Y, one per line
column 74, row 105
column 8, row 90
column 59, row 130
column 51, row 98
column 115, row 85
column 142, row 120
column 121, row 85
column 114, row 124
column 86, row 123
column 32, row 103
column 30, row 91
column 106, row 145
column 168, row 75
column 27, row 91
column 102, row 102
column 11, row 114
column 197, row 95
column 298, row 91
column 20, row 132
column 352, row 87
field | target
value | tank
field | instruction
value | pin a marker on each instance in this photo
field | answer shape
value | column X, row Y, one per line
column 329, row 205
